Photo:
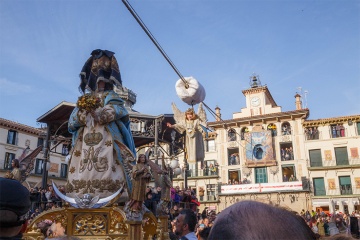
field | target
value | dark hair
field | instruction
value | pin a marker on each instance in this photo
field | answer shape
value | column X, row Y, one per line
column 189, row 218
column 138, row 160
column 256, row 220
column 204, row 234
column 16, row 163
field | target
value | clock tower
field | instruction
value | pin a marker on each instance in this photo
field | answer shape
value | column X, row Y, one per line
column 258, row 100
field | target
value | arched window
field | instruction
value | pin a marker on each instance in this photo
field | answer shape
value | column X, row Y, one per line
column 273, row 129
column 243, row 131
column 231, row 135
column 286, row 128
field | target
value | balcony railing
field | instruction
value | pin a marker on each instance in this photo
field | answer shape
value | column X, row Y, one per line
column 206, row 172
column 343, row 190
column 334, row 163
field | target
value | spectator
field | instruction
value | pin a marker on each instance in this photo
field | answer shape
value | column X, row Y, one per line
column 185, row 225
column 292, row 178
column 14, row 207
column 149, row 203
column 157, row 195
column 256, row 220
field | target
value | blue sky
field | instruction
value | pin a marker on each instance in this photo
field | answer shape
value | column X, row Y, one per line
column 289, row 44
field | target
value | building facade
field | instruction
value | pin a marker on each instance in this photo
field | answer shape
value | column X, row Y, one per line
column 278, row 157
column 15, row 137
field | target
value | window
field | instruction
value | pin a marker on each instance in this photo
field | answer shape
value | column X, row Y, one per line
column 231, row 135
column 234, row 177
column 233, row 156
column 341, row 156
column 288, row 172
column 286, row 128
column 272, row 127
column 358, row 127
column 8, row 159
column 40, row 142
column 211, row 168
column 243, row 131
column 345, row 185
column 210, row 145
column 286, row 152
column 65, row 150
column 63, row 172
column 12, row 137
column 315, row 158
column 337, row 130
column 260, row 175
column 311, row 133
column 191, row 170
column 210, row 190
column 39, row 166
column 319, row 187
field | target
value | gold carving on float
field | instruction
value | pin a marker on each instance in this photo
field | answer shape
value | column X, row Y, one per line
column 89, row 224
column 107, row 223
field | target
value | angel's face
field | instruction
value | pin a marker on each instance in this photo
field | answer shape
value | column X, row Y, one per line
column 189, row 115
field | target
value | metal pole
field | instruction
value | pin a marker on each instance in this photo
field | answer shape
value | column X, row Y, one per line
column 185, row 163
column 46, row 152
column 156, row 142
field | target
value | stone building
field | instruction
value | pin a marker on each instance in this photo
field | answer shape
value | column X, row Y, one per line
column 15, row 137
column 278, row 157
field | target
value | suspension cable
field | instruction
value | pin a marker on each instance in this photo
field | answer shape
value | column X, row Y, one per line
column 152, row 38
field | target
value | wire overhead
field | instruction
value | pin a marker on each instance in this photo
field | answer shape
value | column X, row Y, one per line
column 153, row 39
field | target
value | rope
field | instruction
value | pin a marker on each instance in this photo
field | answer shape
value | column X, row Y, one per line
column 152, row 38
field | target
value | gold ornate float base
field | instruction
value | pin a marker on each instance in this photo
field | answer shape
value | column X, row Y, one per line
column 107, row 223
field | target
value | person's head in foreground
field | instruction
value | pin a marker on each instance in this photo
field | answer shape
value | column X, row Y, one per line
column 185, row 222
column 256, row 220
column 14, row 208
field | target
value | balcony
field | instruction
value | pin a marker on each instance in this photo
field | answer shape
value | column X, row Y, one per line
column 200, row 173
column 345, row 190
column 334, row 164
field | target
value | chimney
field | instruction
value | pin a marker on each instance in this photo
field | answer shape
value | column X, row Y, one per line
column 298, row 102
column 218, row 114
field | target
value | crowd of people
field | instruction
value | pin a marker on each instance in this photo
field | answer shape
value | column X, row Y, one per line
column 312, row 133
column 236, row 182
column 324, row 224
column 242, row 220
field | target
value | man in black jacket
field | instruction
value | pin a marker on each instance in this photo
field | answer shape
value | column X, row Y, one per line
column 14, row 208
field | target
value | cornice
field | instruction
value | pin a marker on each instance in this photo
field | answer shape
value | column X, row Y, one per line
column 329, row 121
column 21, row 127
column 302, row 113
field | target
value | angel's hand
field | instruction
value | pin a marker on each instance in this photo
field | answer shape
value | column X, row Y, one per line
column 169, row 125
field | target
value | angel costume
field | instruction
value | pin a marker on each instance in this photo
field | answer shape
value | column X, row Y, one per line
column 15, row 174
column 97, row 162
column 194, row 142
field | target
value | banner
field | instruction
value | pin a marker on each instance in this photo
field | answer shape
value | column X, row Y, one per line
column 261, row 187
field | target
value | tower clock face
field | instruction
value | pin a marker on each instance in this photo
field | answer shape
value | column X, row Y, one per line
column 255, row 101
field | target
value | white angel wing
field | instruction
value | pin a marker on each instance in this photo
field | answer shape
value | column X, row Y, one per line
column 179, row 116
column 202, row 115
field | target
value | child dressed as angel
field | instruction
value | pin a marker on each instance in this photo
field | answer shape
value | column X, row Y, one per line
column 190, row 123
